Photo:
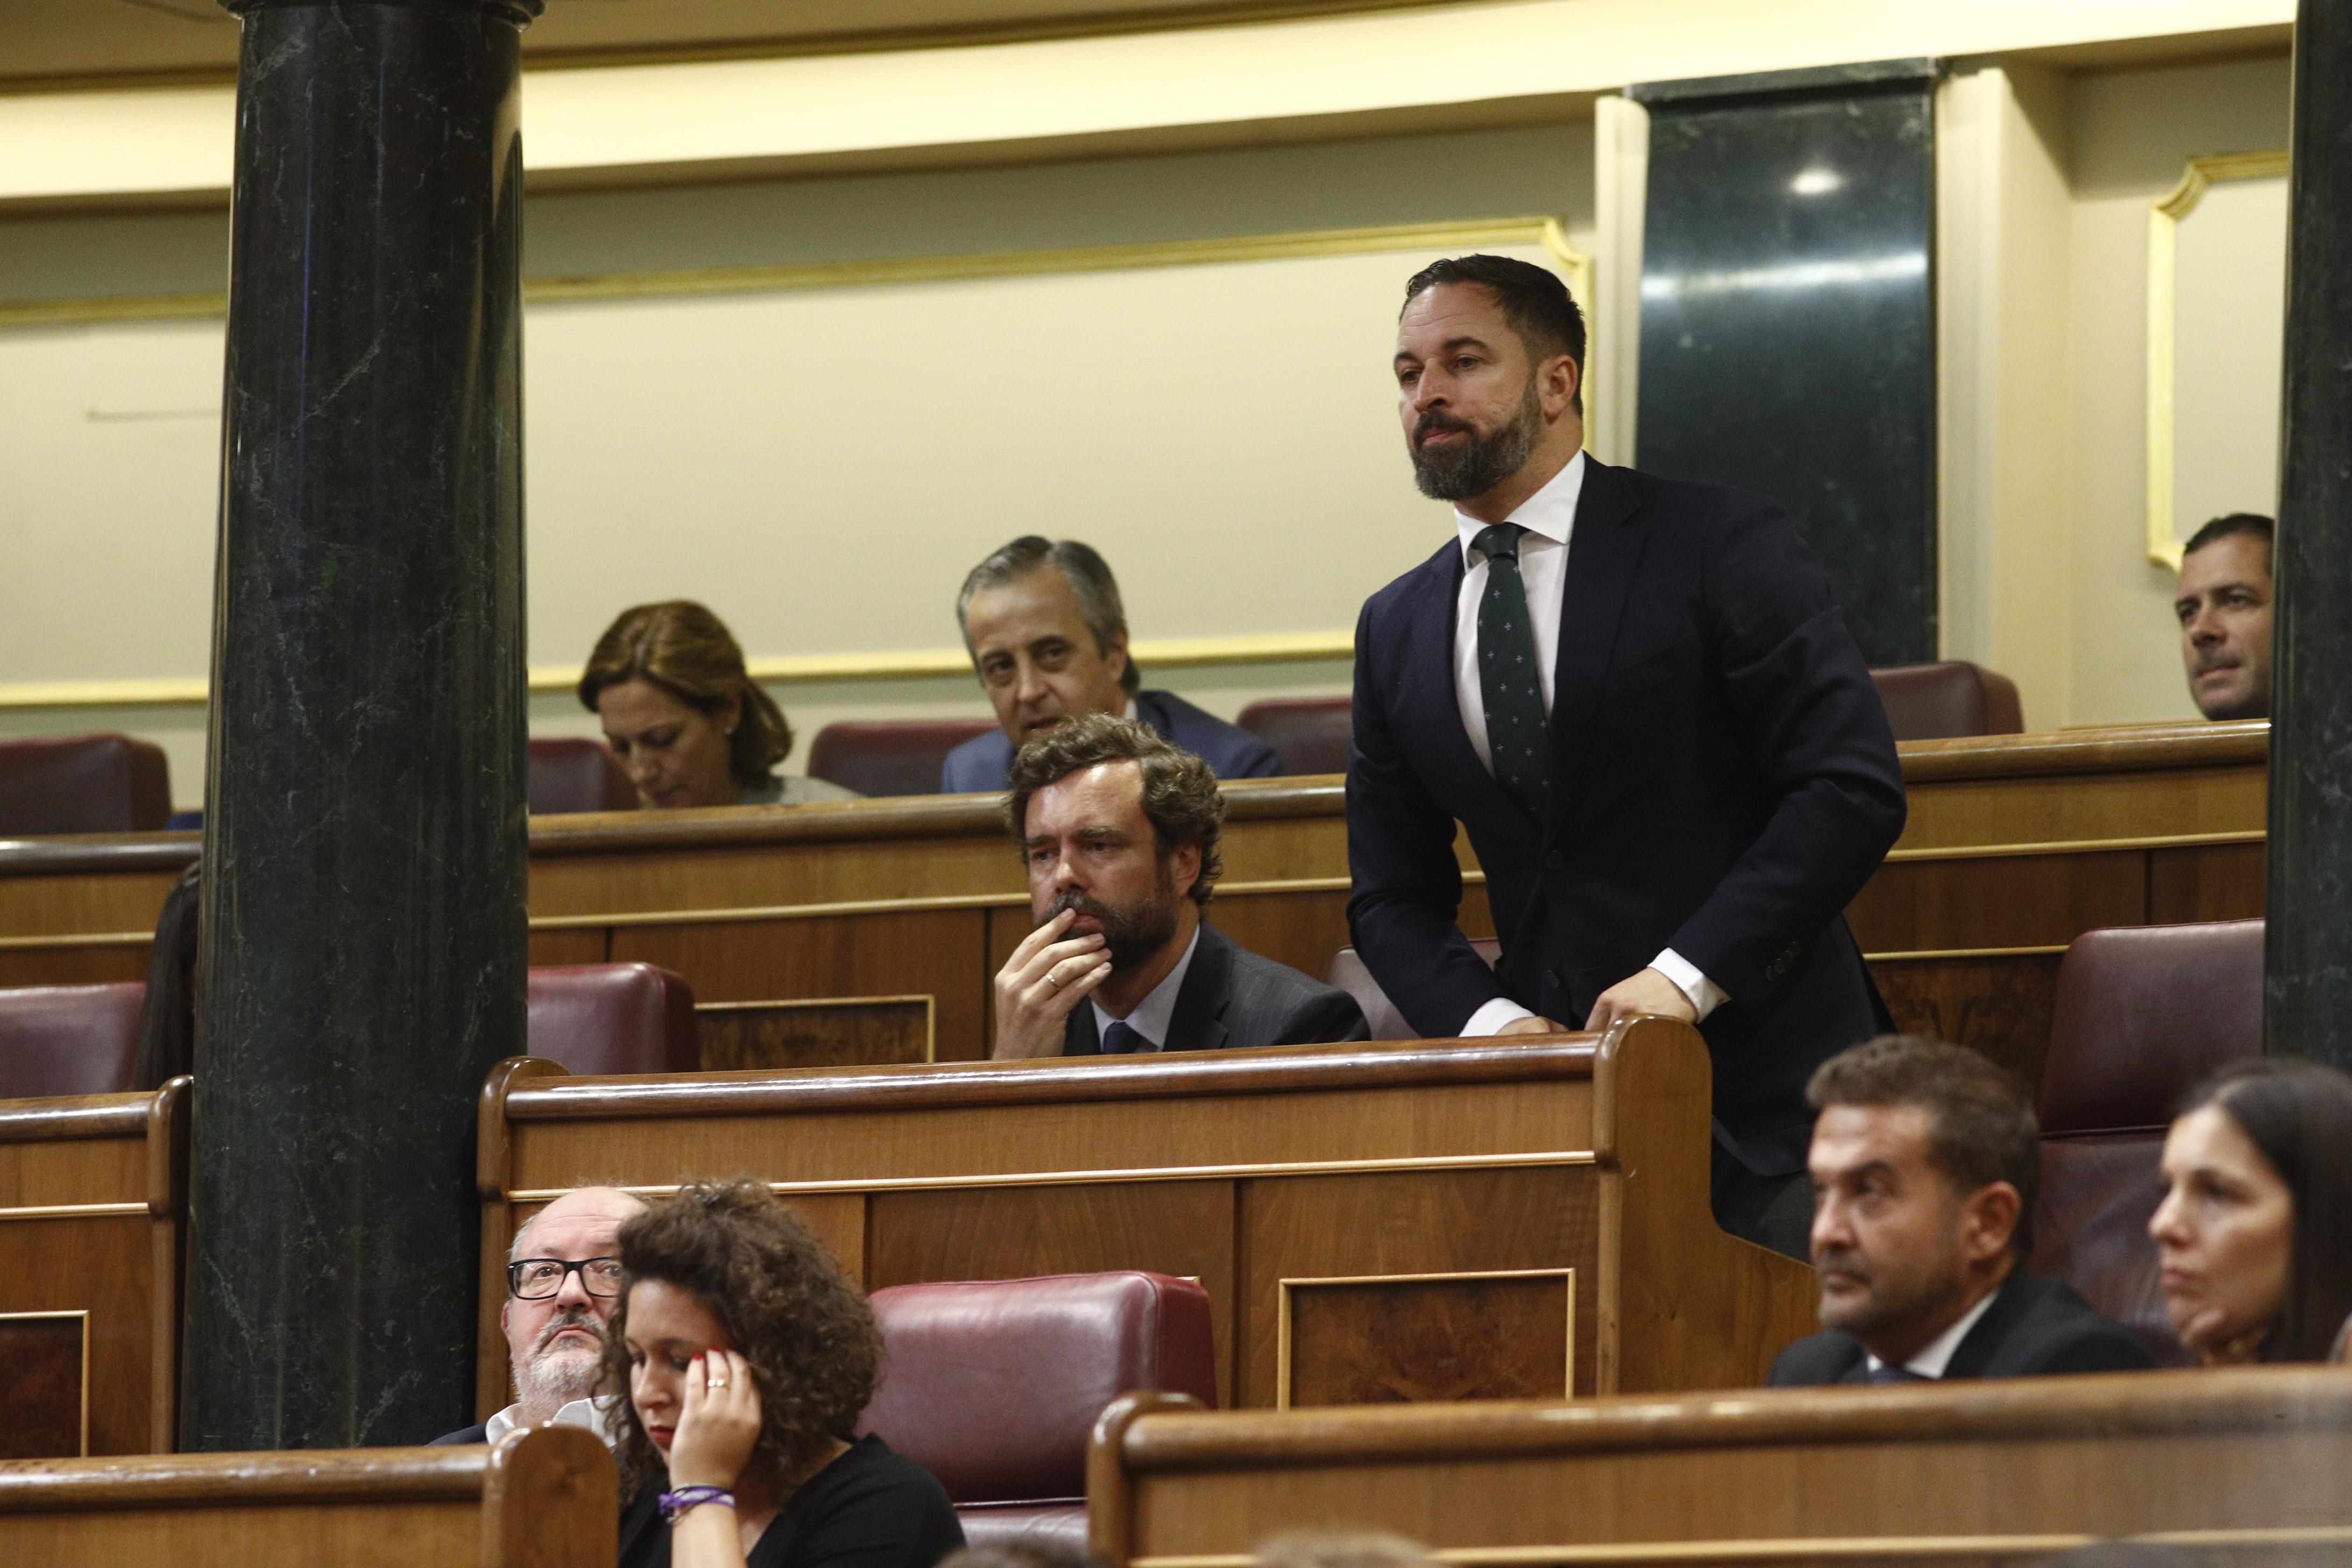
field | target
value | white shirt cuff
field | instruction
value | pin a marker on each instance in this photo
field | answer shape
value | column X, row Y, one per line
column 1490, row 1018
column 1705, row 994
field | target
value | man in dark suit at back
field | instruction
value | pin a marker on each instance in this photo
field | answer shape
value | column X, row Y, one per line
column 1119, row 830
column 1924, row 1166
column 1638, row 696
column 1047, row 635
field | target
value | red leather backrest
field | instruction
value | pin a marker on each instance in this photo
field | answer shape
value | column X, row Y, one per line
column 614, row 1018
column 899, row 757
column 1348, row 972
column 83, row 783
column 1309, row 734
column 577, row 773
column 994, row 1386
column 1936, row 702
column 69, row 1039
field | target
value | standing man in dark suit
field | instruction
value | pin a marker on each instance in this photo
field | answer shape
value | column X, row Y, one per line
column 1925, row 1165
column 1119, row 830
column 1047, row 635
column 1640, row 700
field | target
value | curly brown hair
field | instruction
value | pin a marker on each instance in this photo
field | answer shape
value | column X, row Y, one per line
column 791, row 1312
column 682, row 648
column 1181, row 796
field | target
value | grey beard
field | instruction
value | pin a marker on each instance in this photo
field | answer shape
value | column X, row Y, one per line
column 1482, row 462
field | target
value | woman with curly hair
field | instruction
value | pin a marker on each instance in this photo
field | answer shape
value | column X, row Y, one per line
column 748, row 1355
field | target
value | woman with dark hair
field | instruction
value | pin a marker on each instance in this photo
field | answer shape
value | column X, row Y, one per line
column 683, row 714
column 2255, row 1233
column 746, row 1354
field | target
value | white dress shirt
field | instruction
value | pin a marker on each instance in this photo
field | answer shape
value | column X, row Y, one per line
column 1549, row 517
column 1151, row 1016
column 498, row 1426
column 1931, row 1361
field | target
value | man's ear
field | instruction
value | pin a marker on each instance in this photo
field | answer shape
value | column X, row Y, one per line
column 1988, row 1221
column 1115, row 655
column 1559, row 381
column 1184, row 868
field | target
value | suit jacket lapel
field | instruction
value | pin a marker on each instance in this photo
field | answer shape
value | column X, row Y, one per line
column 1604, row 550
column 1977, row 1347
column 1197, row 1022
column 1078, row 1036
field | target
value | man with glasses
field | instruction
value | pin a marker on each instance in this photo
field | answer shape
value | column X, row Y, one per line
column 563, row 1280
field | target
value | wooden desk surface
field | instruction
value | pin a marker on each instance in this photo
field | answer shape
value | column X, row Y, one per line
column 1356, row 1213
column 93, row 1211
column 550, row 1498
column 2250, row 1462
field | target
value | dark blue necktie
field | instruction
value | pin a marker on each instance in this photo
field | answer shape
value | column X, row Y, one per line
column 1118, row 1040
column 1883, row 1372
column 1518, row 737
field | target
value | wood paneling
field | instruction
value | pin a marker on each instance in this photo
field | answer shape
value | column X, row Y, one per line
column 2209, row 882
column 1394, row 1341
column 100, row 1264
column 839, row 1221
column 547, row 1498
column 2013, row 900
column 41, row 1385
column 2247, row 1461
column 553, row 946
column 49, row 961
column 838, row 1032
column 2001, row 1005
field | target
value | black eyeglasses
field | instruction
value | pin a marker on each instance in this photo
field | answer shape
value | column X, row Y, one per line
column 536, row 1279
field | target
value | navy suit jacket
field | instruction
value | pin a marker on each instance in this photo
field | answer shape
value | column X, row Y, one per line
column 1723, row 783
column 1232, row 997
column 2033, row 1327
column 983, row 761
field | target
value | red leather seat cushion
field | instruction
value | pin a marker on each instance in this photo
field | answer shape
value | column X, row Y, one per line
column 1348, row 972
column 1309, row 734
column 576, row 773
column 69, row 1039
column 994, row 1386
column 84, row 783
column 614, row 1018
column 1057, row 1524
column 1934, row 701
column 901, row 756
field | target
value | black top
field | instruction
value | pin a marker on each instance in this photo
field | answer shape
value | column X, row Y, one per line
column 1233, row 997
column 868, row 1509
column 2034, row 1326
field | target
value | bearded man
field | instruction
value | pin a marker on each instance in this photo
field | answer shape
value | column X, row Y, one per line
column 1924, row 1167
column 1118, row 831
column 563, row 1280
column 1638, row 696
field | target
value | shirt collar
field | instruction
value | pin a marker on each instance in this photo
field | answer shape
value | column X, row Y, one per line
column 1549, row 513
column 1932, row 1360
column 1155, row 1011
column 498, row 1426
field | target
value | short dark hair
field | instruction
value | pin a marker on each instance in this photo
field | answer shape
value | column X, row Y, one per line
column 1981, row 1127
column 1089, row 577
column 2299, row 1114
column 1181, row 796
column 2249, row 524
column 1534, row 301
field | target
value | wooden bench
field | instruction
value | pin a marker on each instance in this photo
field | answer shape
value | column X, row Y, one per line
column 2247, row 1463
column 547, row 1499
column 93, row 1212
column 1414, row 1220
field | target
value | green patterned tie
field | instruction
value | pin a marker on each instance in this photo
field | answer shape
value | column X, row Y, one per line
column 1516, row 735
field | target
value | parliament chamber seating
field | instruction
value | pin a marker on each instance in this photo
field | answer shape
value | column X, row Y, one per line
column 994, row 1386
column 551, row 1497
column 1309, row 734
column 69, row 1039
column 899, row 757
column 1953, row 698
column 1350, row 974
column 576, row 773
column 614, row 1018
column 2143, row 1015
column 83, row 783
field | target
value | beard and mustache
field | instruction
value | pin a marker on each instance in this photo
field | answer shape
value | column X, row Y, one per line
column 1131, row 932
column 559, row 1375
column 1462, row 469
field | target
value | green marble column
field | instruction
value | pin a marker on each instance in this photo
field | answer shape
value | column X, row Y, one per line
column 2308, row 963
column 364, row 929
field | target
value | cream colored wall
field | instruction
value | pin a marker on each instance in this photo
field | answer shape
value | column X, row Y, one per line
column 823, row 465
column 2131, row 134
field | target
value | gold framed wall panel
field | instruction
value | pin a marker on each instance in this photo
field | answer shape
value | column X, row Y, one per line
column 1286, row 1313
column 79, row 1318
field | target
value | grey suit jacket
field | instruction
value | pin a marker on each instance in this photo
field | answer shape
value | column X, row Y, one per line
column 1230, row 998
column 2033, row 1327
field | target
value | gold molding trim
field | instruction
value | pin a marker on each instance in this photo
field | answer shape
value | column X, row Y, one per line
column 1921, row 955
column 789, row 1003
column 71, row 1211
column 1282, row 1312
column 2082, row 846
column 1131, row 1174
column 2163, row 281
column 82, row 1314
column 1811, row 1548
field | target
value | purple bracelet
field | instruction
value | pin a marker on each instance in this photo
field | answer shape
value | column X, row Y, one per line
column 677, row 1502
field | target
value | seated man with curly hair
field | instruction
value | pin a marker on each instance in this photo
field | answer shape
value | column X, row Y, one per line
column 746, row 1354
column 1119, row 830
